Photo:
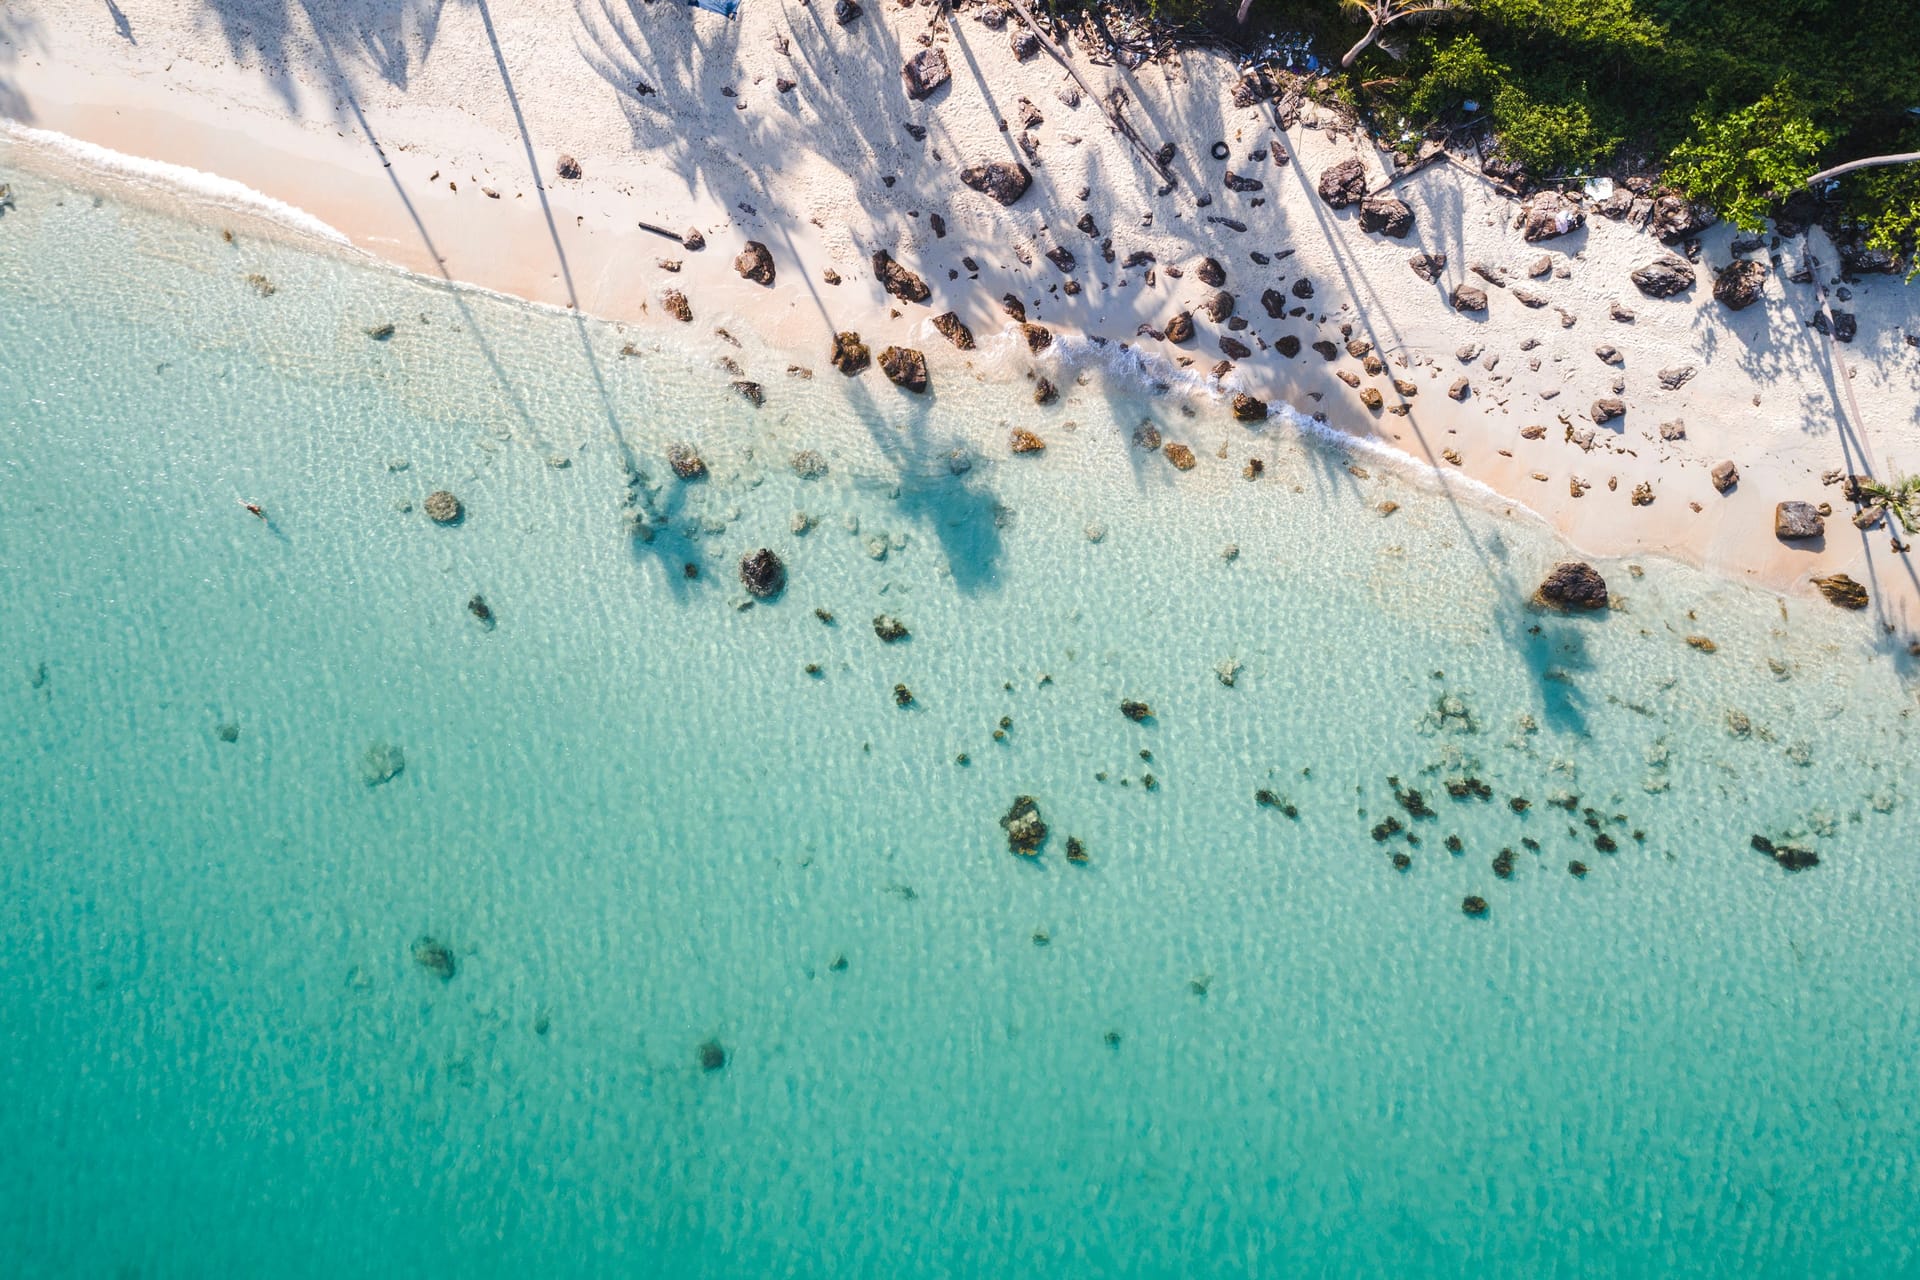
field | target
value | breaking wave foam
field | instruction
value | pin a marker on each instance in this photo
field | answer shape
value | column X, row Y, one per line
column 210, row 187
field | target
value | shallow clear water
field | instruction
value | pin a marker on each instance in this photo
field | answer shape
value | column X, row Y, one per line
column 1249, row 1045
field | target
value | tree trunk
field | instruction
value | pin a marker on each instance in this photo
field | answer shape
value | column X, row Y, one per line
column 1360, row 48
column 1871, row 162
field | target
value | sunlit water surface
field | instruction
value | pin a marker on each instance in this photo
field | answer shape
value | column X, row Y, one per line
column 1233, row 1042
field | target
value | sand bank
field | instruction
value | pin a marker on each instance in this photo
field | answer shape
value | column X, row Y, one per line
column 431, row 137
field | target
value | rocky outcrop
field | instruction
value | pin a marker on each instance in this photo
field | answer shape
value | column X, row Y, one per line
column 762, row 574
column 1038, row 337
column 850, row 355
column 905, row 368
column 1573, row 584
column 954, row 331
column 1548, row 214
column 1843, row 591
column 1003, row 181
column 755, row 264
column 1248, row 408
column 1466, row 297
column 1344, row 184
column 1387, row 216
column 924, row 72
column 897, row 280
column 1795, row 521
column 1428, row 266
column 1664, row 277
column 1738, row 287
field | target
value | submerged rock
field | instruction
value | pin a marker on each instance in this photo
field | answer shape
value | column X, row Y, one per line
column 807, row 464
column 436, row 957
column 382, row 762
column 1248, row 408
column 1474, row 905
column 1021, row 440
column 1179, row 455
column 762, row 573
column 1025, row 831
column 890, row 628
column 1573, row 584
column 1136, row 711
column 443, row 508
column 712, row 1055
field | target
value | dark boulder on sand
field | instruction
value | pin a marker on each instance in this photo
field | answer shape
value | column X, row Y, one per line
column 924, row 72
column 1665, row 276
column 850, row 355
column 1548, row 214
column 1738, row 287
column 1004, row 181
column 1386, row 216
column 755, row 263
column 1248, row 408
column 954, row 330
column 897, row 280
column 1344, row 184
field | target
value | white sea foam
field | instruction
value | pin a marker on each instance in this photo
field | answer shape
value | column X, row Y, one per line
column 210, row 187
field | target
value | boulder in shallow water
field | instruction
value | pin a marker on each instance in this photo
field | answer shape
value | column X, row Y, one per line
column 1573, row 584
column 1135, row 711
column 1025, row 830
column 1179, row 455
column 850, row 355
column 762, row 573
column 1248, row 408
column 443, row 508
column 890, row 628
column 1021, row 440
column 905, row 368
column 1842, row 590
column 712, row 1056
column 686, row 461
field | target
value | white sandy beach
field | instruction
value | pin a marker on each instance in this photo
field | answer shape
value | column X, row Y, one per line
column 429, row 134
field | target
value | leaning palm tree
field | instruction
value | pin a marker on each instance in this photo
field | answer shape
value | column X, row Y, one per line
column 1381, row 14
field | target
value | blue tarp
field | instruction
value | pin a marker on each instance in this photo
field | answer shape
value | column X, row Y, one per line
column 725, row 8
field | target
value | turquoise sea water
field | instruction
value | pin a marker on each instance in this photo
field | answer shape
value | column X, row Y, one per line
column 1231, row 1043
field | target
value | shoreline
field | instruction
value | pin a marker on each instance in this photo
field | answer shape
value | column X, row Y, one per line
column 425, row 179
